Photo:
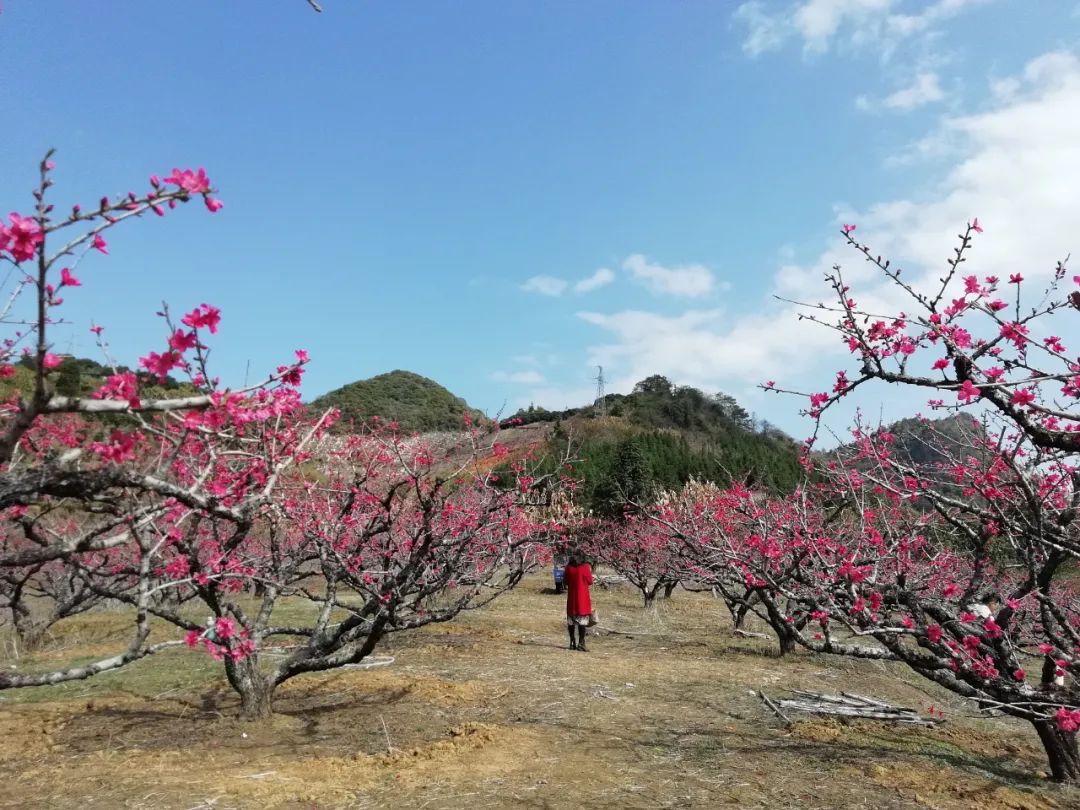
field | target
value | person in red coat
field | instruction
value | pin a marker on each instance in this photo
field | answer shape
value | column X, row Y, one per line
column 577, row 578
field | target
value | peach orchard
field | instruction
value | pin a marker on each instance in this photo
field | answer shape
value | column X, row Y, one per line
column 179, row 507
column 202, row 515
column 959, row 568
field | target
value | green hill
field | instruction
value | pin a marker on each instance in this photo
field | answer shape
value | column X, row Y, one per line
column 936, row 441
column 81, row 377
column 658, row 437
column 414, row 402
column 924, row 443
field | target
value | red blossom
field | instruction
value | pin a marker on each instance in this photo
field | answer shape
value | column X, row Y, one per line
column 968, row 391
column 204, row 315
column 119, row 448
column 189, row 180
column 160, row 364
column 21, row 238
column 181, row 341
column 1022, row 396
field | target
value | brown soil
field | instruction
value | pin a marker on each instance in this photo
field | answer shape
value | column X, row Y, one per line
column 940, row 789
column 492, row 711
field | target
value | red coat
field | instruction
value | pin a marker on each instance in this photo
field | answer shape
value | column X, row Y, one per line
column 578, row 578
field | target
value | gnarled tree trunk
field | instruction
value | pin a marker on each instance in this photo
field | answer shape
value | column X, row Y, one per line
column 649, row 592
column 787, row 644
column 739, row 614
column 29, row 632
column 1061, row 751
column 256, row 690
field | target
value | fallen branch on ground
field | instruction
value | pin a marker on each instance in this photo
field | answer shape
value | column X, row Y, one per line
column 749, row 633
column 844, row 705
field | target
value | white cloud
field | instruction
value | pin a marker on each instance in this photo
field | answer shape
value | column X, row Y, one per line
column 926, row 89
column 765, row 32
column 934, row 146
column 554, row 287
column 1005, row 90
column 600, row 278
column 1014, row 169
column 1015, row 166
column 545, row 285
column 527, row 377
column 819, row 24
column 1009, row 168
column 704, row 348
column 909, row 24
column 691, row 280
column 817, row 21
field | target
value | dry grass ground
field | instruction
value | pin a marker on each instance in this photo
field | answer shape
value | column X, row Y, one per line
column 492, row 711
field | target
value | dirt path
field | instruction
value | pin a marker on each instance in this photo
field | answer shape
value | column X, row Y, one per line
column 494, row 712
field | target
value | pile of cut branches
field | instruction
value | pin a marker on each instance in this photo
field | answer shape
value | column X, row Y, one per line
column 844, row 705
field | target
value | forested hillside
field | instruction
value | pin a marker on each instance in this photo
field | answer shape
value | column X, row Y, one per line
column 659, row 436
column 414, row 402
column 80, row 376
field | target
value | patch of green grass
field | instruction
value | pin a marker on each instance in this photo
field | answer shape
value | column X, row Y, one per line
column 170, row 670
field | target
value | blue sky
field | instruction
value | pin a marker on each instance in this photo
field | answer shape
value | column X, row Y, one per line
column 437, row 187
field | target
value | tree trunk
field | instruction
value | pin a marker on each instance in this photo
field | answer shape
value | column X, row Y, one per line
column 669, row 589
column 787, row 642
column 29, row 632
column 650, row 598
column 1061, row 751
column 257, row 703
column 255, row 689
column 740, row 613
column 740, row 608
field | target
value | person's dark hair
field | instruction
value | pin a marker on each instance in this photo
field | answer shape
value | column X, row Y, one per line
column 576, row 557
